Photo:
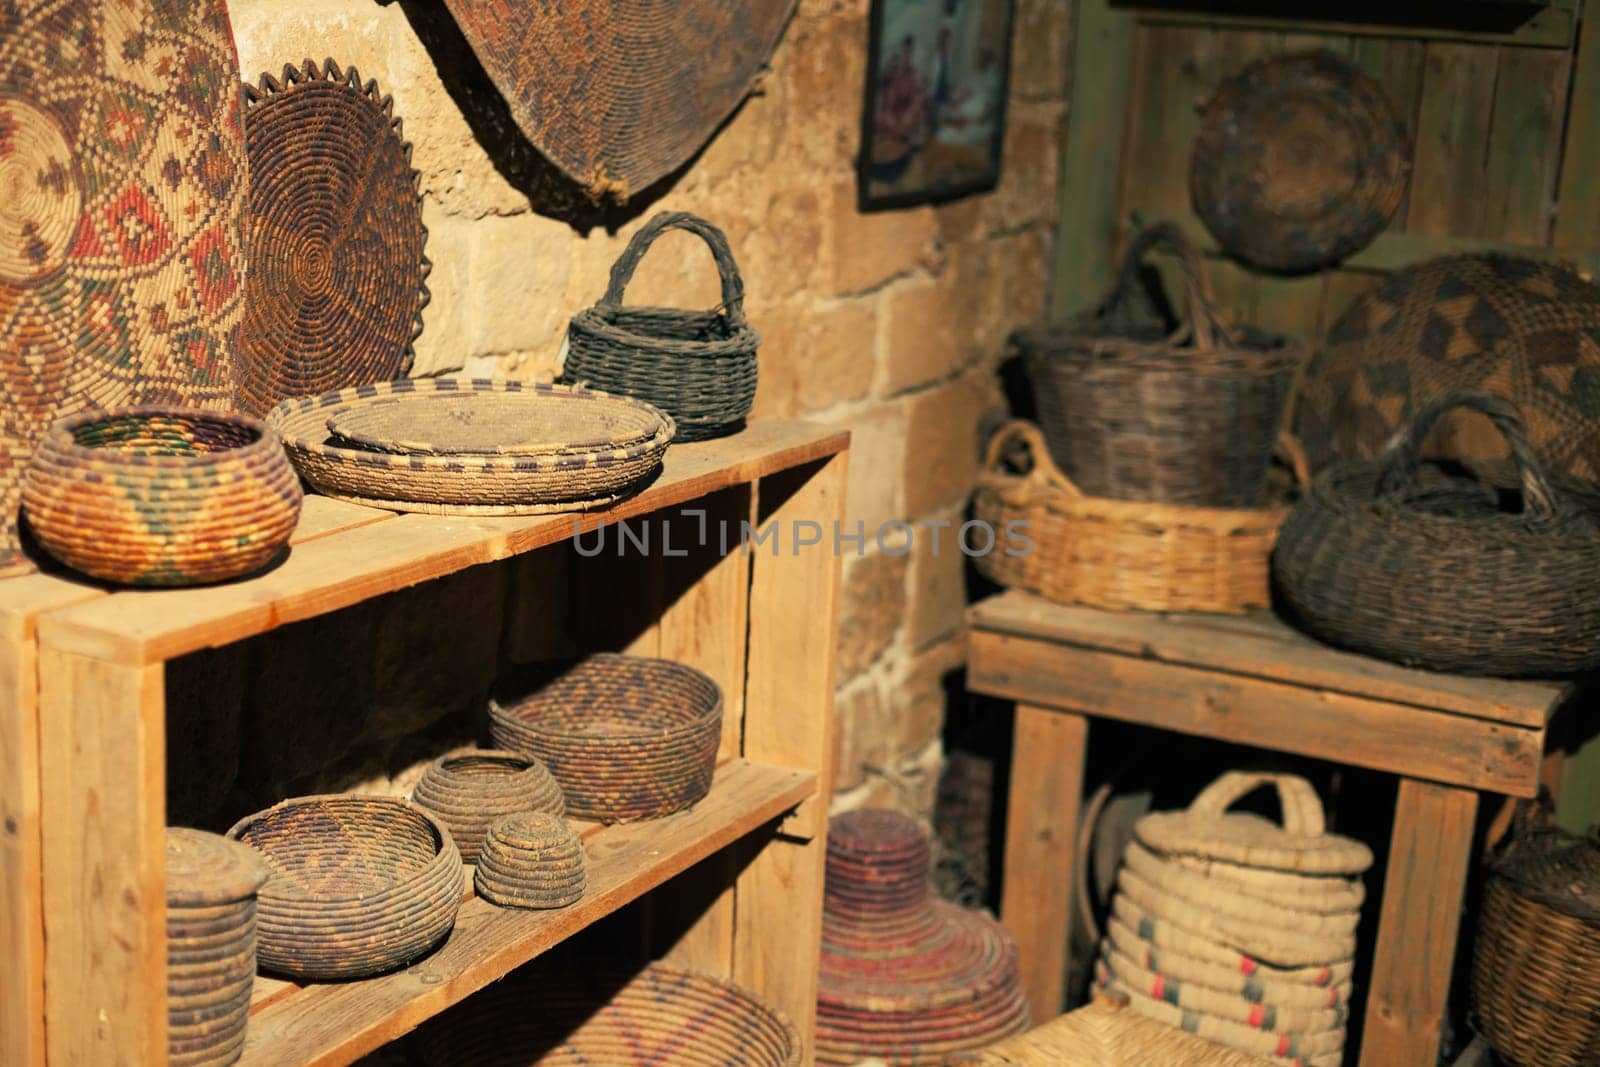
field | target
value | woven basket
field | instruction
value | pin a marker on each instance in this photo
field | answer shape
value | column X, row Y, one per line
column 1319, row 1049
column 1255, row 984
column 699, row 366
column 1053, row 540
column 359, row 886
column 1534, row 989
column 1167, row 936
column 470, row 790
column 627, row 737
column 162, row 496
column 1258, row 1014
column 1137, row 407
column 531, row 860
column 590, row 1014
column 462, row 484
column 1411, row 563
column 1288, row 912
column 1105, row 1033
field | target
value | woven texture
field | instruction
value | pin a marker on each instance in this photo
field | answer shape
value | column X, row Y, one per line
column 1413, row 563
column 904, row 977
column 460, row 483
column 531, row 860
column 470, row 790
column 589, row 1014
column 618, row 95
column 359, row 886
column 1300, row 161
column 123, row 169
column 627, row 737
column 1117, row 554
column 699, row 366
column 1137, row 406
column 1105, row 1034
column 1515, row 328
column 336, row 237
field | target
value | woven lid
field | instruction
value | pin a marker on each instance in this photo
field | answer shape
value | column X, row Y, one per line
column 205, row 869
column 1300, row 162
column 1209, row 830
column 1559, row 870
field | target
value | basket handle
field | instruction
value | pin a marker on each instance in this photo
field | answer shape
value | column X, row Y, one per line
column 1400, row 465
column 1205, row 322
column 732, row 284
column 1040, row 466
column 1302, row 809
column 1292, row 452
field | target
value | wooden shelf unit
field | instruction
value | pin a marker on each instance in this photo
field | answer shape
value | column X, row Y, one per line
column 83, row 761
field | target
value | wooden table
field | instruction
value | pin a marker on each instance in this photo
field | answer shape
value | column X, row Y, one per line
column 1254, row 681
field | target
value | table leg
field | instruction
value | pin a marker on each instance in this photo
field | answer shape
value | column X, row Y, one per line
column 1417, row 927
column 1041, row 830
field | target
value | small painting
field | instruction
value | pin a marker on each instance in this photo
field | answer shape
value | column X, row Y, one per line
column 934, row 120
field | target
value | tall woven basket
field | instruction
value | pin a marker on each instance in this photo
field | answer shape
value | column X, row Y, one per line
column 698, row 366
column 1137, row 405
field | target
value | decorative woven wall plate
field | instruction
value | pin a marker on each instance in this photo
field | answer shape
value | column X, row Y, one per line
column 122, row 190
column 617, row 93
column 1300, row 162
column 336, row 237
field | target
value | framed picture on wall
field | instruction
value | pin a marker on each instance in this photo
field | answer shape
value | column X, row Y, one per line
column 935, row 113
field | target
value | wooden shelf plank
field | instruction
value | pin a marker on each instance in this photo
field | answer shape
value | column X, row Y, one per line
column 364, row 561
column 322, row 1025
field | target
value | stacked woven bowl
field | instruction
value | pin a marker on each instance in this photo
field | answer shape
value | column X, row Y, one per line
column 904, row 977
column 1238, row 929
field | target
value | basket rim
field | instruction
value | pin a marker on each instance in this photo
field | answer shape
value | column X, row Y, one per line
column 599, row 321
column 507, row 710
column 60, row 439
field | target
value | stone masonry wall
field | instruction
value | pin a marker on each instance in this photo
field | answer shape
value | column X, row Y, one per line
column 890, row 323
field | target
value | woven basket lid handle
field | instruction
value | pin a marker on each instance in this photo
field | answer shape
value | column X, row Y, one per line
column 1302, row 809
column 732, row 284
column 1205, row 323
column 1022, row 433
column 1400, row 465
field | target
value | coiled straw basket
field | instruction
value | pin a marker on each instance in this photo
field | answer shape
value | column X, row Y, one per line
column 469, row 790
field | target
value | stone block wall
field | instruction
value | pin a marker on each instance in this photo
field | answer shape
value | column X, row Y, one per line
column 888, row 323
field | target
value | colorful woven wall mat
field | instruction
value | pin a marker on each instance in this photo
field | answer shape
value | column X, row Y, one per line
column 461, row 483
column 162, row 496
column 469, row 790
column 619, row 94
column 1299, row 163
column 531, row 859
column 123, row 169
column 336, row 238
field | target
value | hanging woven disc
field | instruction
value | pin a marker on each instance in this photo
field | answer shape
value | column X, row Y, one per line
column 619, row 94
column 336, row 237
column 1299, row 163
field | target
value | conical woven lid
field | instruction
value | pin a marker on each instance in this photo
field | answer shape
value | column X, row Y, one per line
column 1302, row 843
column 205, row 869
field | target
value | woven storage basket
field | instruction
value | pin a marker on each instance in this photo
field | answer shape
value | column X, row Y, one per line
column 1258, row 1014
column 463, row 484
column 1137, row 407
column 699, row 366
column 1412, row 563
column 589, row 1014
column 1534, row 988
column 1167, row 936
column 1252, row 983
column 531, row 860
column 469, row 790
column 1117, row 554
column 162, row 496
column 628, row 737
column 1320, row 1049
column 360, row 885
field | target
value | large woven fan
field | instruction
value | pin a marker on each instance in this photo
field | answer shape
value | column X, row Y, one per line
column 620, row 93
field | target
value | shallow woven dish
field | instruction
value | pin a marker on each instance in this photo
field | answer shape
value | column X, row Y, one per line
column 470, row 790
column 360, row 885
column 162, row 496
column 531, row 860
column 335, row 292
column 628, row 737
column 1300, row 162
column 590, row 1014
column 460, row 484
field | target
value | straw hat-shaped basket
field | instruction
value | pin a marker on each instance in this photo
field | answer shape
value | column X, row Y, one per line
column 1053, row 540
column 162, row 496
column 359, row 886
column 531, row 859
column 1413, row 563
column 469, row 790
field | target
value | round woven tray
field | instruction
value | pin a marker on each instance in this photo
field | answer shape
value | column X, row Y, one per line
column 460, row 484
column 360, row 885
column 1300, row 162
column 590, row 1013
column 470, row 790
column 162, row 496
column 335, row 292
column 627, row 737
column 531, row 860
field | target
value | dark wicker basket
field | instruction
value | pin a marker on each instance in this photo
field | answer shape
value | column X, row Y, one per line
column 1413, row 562
column 698, row 366
column 470, row 790
column 1137, row 406
column 531, row 859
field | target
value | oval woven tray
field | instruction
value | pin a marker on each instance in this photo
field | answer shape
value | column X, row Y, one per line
column 461, row 484
column 470, row 790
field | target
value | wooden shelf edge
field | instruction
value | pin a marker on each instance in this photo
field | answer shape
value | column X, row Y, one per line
column 332, row 1024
